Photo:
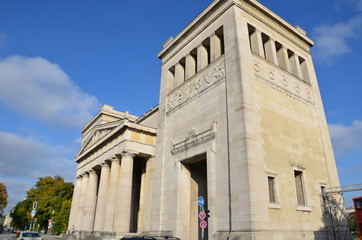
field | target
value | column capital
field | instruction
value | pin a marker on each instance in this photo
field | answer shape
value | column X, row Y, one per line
column 114, row 159
column 200, row 46
column 104, row 164
column 129, row 154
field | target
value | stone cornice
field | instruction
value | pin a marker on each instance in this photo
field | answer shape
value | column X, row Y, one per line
column 191, row 27
column 293, row 33
column 108, row 110
column 253, row 7
column 122, row 126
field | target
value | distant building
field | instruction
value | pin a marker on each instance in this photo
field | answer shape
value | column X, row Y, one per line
column 7, row 221
column 240, row 122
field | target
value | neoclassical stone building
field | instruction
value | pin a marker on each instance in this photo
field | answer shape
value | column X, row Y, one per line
column 240, row 122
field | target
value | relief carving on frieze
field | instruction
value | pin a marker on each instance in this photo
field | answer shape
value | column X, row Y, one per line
column 98, row 135
column 197, row 84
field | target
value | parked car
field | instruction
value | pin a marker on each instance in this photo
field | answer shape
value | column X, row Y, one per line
column 138, row 238
column 28, row 236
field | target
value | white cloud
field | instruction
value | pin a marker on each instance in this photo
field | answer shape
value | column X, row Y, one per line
column 24, row 160
column 357, row 4
column 16, row 191
column 334, row 40
column 28, row 158
column 346, row 138
column 40, row 89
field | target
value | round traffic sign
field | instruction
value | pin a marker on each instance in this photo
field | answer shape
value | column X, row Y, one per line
column 201, row 201
column 202, row 215
column 203, row 224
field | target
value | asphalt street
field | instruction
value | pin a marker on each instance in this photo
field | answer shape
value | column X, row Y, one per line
column 11, row 236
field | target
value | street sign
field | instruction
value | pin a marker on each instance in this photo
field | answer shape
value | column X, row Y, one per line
column 33, row 213
column 202, row 215
column 201, row 201
column 203, row 224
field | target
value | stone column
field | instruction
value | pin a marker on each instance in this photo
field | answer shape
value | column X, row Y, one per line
column 215, row 47
column 102, row 197
column 283, row 59
column 190, row 66
column 202, row 57
column 179, row 74
column 295, row 66
column 256, row 43
column 123, row 211
column 112, row 195
column 82, row 198
column 75, row 202
column 90, row 202
column 271, row 52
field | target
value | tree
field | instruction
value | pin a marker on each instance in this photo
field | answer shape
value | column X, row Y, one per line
column 352, row 222
column 3, row 197
column 53, row 196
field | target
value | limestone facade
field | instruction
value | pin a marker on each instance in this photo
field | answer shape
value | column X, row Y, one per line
column 240, row 121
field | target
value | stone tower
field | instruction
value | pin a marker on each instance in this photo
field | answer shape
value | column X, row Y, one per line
column 240, row 122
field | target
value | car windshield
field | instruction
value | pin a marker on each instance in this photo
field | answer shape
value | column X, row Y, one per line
column 30, row 234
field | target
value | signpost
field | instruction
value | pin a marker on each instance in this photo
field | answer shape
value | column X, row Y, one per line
column 203, row 224
column 201, row 201
column 33, row 213
column 202, row 215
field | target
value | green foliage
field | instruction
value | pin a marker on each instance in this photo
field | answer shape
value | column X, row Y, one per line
column 53, row 197
column 3, row 197
column 352, row 222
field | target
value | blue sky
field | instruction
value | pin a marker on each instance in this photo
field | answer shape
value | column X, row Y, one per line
column 61, row 60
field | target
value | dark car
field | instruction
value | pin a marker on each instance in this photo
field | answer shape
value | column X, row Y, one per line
column 138, row 238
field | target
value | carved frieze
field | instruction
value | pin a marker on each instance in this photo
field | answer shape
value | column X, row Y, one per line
column 197, row 84
column 97, row 136
column 194, row 139
column 283, row 81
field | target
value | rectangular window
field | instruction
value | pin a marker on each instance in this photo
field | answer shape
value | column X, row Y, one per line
column 359, row 204
column 299, row 185
column 271, row 186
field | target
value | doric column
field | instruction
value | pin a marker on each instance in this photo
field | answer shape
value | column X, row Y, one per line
column 82, row 197
column 295, row 66
column 202, row 57
column 179, row 74
column 190, row 66
column 257, row 43
column 271, row 52
column 215, row 47
column 91, row 200
column 123, row 211
column 75, row 202
column 112, row 195
column 102, row 197
column 283, row 58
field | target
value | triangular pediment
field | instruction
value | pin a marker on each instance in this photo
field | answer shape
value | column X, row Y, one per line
column 96, row 135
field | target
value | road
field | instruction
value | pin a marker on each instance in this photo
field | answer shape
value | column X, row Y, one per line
column 7, row 236
column 11, row 236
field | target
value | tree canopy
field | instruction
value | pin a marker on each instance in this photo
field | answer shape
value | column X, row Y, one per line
column 3, row 197
column 53, row 197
